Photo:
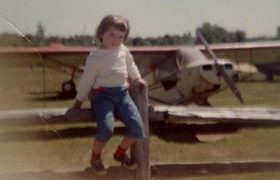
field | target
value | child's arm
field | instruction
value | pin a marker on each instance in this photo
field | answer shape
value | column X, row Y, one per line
column 132, row 70
column 87, row 79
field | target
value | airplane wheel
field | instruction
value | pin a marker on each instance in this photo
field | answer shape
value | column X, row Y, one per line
column 269, row 77
column 204, row 102
column 236, row 77
column 68, row 89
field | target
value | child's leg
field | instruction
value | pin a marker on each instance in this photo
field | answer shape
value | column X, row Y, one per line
column 96, row 162
column 134, row 130
column 125, row 144
column 131, row 117
column 97, row 150
column 103, row 109
column 134, row 126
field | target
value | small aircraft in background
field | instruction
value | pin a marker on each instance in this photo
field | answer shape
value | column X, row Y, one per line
column 176, row 75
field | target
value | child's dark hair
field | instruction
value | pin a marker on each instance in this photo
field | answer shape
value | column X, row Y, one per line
column 116, row 21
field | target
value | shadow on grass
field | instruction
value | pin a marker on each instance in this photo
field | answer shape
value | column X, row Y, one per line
column 49, row 96
column 187, row 133
column 114, row 173
column 51, row 134
column 259, row 81
column 169, row 132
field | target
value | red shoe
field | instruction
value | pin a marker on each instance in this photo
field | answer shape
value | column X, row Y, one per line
column 126, row 162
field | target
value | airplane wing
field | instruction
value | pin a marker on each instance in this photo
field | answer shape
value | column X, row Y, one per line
column 70, row 60
column 253, row 52
column 73, row 57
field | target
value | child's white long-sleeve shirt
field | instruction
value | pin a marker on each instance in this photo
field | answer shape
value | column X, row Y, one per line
column 107, row 68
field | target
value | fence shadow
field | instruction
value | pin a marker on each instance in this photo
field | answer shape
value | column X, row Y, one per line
column 169, row 132
column 114, row 173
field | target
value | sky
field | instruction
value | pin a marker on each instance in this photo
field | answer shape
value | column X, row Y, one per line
column 147, row 17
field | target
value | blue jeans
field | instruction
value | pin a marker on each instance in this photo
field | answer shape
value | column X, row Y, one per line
column 116, row 100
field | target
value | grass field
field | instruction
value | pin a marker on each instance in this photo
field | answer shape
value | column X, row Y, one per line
column 38, row 148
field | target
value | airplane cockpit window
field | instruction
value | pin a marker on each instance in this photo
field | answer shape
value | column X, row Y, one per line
column 228, row 66
column 169, row 82
column 167, row 73
column 207, row 67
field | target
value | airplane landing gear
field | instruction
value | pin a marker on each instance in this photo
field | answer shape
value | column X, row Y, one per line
column 203, row 102
column 269, row 77
column 68, row 89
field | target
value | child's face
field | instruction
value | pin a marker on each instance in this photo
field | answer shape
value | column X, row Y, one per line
column 112, row 38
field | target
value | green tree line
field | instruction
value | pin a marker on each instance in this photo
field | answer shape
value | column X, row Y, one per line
column 212, row 32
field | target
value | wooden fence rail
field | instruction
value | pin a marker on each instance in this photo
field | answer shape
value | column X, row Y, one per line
column 206, row 115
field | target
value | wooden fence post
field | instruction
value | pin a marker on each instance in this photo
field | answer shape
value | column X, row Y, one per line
column 141, row 150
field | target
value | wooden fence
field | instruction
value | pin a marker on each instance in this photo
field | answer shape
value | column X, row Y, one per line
column 140, row 151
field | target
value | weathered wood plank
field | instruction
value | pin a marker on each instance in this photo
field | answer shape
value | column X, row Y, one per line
column 114, row 172
column 171, row 114
column 222, row 114
column 45, row 116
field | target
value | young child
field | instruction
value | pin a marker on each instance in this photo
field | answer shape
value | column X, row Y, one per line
column 107, row 72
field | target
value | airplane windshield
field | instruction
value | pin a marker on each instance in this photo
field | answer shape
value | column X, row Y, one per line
column 166, row 73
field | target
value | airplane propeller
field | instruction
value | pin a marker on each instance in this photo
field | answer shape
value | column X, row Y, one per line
column 221, row 70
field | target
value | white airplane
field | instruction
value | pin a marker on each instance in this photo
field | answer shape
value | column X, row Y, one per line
column 176, row 75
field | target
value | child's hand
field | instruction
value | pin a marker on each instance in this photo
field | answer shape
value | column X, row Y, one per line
column 140, row 82
column 77, row 104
